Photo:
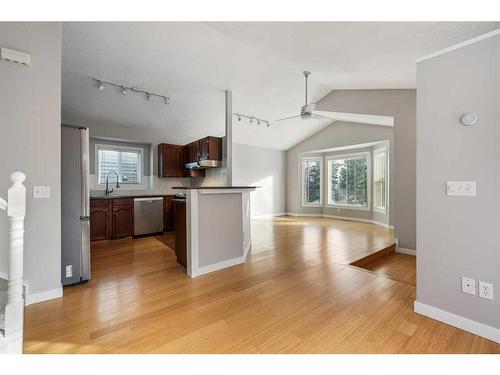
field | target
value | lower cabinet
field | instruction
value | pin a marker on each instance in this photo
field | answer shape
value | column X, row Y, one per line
column 180, row 232
column 168, row 214
column 100, row 219
column 111, row 218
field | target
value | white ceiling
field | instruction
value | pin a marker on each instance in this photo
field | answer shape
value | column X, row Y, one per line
column 260, row 62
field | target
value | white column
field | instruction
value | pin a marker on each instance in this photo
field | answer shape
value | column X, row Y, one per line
column 14, row 310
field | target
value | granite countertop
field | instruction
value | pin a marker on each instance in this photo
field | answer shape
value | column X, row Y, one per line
column 118, row 196
column 214, row 187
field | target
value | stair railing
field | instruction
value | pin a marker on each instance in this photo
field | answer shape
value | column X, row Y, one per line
column 14, row 309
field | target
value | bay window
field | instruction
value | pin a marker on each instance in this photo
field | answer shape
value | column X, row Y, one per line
column 348, row 181
column 312, row 179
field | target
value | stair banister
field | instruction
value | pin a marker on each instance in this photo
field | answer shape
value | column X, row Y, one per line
column 14, row 310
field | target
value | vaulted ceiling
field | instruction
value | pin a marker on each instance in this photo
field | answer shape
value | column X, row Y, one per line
column 260, row 62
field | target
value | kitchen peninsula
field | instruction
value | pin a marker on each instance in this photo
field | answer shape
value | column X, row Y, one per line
column 217, row 227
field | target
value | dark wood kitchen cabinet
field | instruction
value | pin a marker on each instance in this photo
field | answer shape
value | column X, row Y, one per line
column 168, row 214
column 170, row 160
column 100, row 219
column 180, row 231
column 111, row 218
column 210, row 148
column 123, row 217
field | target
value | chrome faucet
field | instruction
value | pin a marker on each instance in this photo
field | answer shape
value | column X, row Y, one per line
column 109, row 191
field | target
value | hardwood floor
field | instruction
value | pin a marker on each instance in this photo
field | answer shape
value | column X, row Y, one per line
column 295, row 294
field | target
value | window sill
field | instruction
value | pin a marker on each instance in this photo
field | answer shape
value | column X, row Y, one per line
column 316, row 205
column 345, row 207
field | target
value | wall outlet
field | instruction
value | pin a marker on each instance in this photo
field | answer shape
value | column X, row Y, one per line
column 485, row 290
column 69, row 271
column 468, row 285
column 41, row 192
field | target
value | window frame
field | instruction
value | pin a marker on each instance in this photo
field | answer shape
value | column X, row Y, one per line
column 329, row 203
column 130, row 186
column 377, row 151
column 321, row 180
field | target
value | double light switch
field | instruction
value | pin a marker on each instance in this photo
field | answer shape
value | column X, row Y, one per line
column 461, row 188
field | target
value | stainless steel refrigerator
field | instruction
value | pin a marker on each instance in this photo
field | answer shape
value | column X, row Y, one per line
column 75, row 205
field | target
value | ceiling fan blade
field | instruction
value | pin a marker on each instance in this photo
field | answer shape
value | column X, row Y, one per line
column 321, row 117
column 288, row 118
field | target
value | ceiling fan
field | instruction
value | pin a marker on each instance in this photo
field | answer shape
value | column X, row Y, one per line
column 307, row 110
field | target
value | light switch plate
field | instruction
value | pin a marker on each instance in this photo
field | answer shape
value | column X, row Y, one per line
column 468, row 285
column 485, row 290
column 461, row 188
column 41, row 192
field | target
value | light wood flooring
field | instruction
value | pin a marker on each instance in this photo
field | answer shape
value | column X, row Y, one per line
column 296, row 293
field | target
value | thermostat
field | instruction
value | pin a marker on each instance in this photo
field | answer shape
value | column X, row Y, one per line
column 469, row 119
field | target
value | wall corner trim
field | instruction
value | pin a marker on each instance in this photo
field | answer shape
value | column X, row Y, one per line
column 480, row 329
column 43, row 296
column 459, row 45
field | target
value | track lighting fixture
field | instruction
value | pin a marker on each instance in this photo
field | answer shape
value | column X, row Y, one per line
column 125, row 89
column 252, row 119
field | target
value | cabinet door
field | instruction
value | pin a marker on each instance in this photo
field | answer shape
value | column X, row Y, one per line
column 180, row 233
column 100, row 223
column 173, row 164
column 170, row 160
column 123, row 223
column 204, row 148
column 168, row 214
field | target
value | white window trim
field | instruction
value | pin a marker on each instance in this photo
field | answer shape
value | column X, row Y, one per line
column 366, row 154
column 321, row 179
column 145, row 183
column 382, row 150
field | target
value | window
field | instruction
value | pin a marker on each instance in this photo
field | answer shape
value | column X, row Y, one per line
column 312, row 171
column 380, row 180
column 348, row 181
column 126, row 161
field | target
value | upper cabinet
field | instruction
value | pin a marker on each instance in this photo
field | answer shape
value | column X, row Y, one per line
column 170, row 160
column 210, row 148
column 173, row 158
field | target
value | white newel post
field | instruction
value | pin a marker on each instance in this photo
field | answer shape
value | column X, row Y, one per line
column 14, row 310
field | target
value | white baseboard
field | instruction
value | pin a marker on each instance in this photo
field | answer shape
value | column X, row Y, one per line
column 268, row 216
column 348, row 218
column 402, row 250
column 245, row 252
column 218, row 266
column 480, row 329
column 43, row 296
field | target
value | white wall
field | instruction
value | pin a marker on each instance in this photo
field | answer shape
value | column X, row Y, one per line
column 30, row 141
column 263, row 167
column 459, row 236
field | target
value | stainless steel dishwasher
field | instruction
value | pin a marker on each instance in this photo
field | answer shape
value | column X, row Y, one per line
column 148, row 215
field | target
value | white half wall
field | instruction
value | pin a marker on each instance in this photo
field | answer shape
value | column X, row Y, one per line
column 265, row 168
column 30, row 142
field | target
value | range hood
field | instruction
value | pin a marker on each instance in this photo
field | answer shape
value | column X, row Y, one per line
column 204, row 164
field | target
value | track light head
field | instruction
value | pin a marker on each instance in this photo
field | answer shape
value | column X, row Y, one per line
column 167, row 100
column 258, row 122
column 124, row 90
column 239, row 118
column 148, row 96
column 101, row 85
column 251, row 120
